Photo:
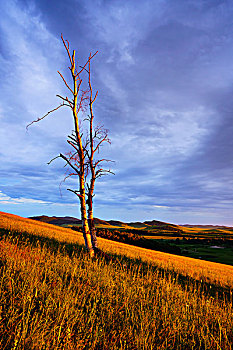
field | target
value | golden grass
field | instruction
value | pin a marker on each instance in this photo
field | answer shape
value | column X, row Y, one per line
column 17, row 223
column 201, row 270
column 54, row 299
column 204, row 230
column 160, row 237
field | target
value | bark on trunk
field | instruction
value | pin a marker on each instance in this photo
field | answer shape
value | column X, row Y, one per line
column 91, row 224
column 85, row 226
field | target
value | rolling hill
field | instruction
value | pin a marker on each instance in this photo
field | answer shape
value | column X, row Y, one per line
column 207, row 242
column 67, row 220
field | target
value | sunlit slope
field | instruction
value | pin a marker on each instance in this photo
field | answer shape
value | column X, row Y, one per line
column 202, row 270
column 207, row 231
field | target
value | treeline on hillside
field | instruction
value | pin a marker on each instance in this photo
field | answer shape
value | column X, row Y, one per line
column 155, row 232
column 132, row 238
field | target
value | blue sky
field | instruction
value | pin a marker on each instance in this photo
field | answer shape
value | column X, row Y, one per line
column 164, row 73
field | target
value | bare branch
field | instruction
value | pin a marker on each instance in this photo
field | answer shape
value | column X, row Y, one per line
column 65, row 82
column 90, row 58
column 103, row 160
column 66, row 100
column 79, row 84
column 73, row 138
column 71, row 165
column 39, row 119
column 75, row 192
column 73, row 157
column 103, row 172
column 65, row 178
column 83, row 67
column 53, row 159
column 82, row 105
column 67, row 46
column 101, row 141
column 73, row 145
column 96, row 94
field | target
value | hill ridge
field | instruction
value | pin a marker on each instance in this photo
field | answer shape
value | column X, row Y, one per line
column 62, row 220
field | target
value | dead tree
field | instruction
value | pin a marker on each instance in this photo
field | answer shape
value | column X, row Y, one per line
column 81, row 161
column 92, row 141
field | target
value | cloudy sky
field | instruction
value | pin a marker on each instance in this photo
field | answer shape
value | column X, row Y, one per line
column 164, row 73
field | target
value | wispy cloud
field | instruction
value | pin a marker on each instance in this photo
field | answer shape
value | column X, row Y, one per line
column 4, row 199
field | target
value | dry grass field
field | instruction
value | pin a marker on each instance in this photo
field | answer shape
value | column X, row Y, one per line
column 54, row 297
column 219, row 274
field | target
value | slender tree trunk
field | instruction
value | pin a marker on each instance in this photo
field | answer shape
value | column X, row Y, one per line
column 85, row 226
column 91, row 219
column 92, row 167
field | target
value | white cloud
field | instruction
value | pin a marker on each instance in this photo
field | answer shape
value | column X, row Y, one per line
column 160, row 206
column 4, row 199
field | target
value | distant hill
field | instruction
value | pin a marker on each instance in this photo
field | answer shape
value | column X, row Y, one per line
column 100, row 222
column 59, row 221
column 160, row 224
column 68, row 220
column 116, row 223
column 137, row 224
column 205, row 226
column 156, row 223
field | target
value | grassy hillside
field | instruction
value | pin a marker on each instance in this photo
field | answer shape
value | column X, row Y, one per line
column 213, row 243
column 54, row 297
column 198, row 269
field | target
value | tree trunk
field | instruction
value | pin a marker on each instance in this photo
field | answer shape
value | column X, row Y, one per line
column 93, row 172
column 85, row 227
column 91, row 222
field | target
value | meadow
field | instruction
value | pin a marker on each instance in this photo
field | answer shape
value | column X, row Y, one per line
column 54, row 297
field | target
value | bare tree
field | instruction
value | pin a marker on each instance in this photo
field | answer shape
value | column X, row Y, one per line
column 81, row 161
